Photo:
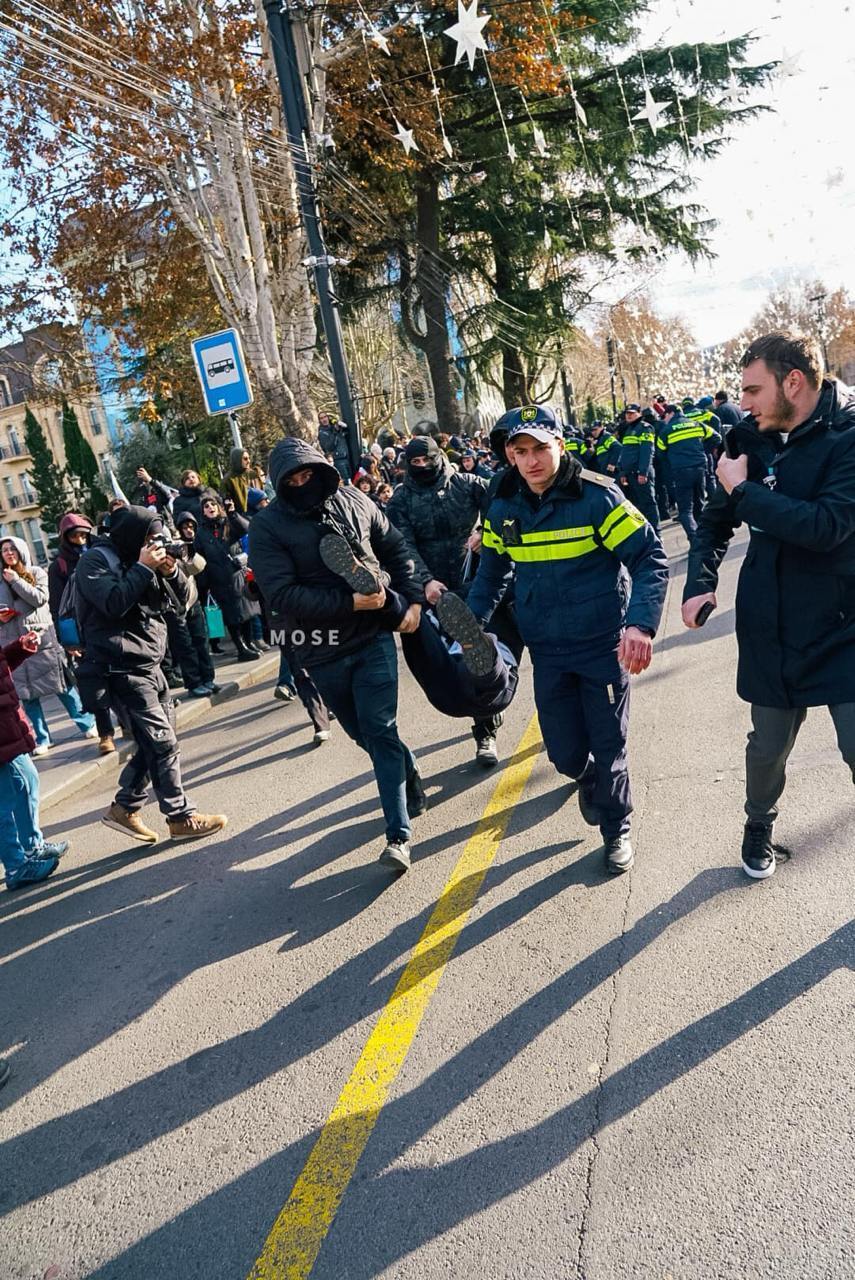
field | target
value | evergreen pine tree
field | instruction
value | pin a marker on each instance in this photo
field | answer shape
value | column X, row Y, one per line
column 81, row 464
column 47, row 476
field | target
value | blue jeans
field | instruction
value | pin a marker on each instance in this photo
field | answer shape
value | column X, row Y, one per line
column 19, row 811
column 70, row 699
column 362, row 690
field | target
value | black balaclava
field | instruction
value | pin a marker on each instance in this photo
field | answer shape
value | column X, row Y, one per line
column 308, row 496
column 129, row 528
column 423, row 447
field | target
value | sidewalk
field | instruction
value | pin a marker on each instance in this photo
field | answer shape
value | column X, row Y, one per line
column 74, row 762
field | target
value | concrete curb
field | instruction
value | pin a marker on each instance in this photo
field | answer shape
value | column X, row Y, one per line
column 186, row 714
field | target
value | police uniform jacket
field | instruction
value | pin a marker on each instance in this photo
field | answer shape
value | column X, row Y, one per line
column 569, row 550
column 637, row 444
column 795, row 603
column 607, row 452
column 684, row 440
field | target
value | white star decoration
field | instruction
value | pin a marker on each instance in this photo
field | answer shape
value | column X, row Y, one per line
column 732, row 93
column 405, row 137
column 467, row 32
column 834, row 179
column 540, row 142
column 651, row 111
column 789, row 66
column 380, row 40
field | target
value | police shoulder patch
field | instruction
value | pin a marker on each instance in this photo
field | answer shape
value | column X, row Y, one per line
column 594, row 477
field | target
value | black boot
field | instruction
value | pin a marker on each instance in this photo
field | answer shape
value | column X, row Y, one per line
column 246, row 636
column 243, row 653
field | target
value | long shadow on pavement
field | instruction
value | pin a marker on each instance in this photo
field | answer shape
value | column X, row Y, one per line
column 416, row 1205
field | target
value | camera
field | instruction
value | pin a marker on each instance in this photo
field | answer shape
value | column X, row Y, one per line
column 175, row 550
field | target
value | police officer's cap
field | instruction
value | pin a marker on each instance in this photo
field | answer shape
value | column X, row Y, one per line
column 535, row 420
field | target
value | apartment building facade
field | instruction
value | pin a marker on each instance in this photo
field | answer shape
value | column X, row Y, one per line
column 35, row 373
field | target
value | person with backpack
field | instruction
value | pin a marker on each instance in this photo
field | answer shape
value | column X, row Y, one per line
column 74, row 534
column 24, row 608
column 124, row 585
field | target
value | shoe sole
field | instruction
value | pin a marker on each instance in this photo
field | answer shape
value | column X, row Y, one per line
column 338, row 557
column 395, row 864
column 487, row 762
column 117, row 826
column 759, row 875
column 198, row 835
column 458, row 620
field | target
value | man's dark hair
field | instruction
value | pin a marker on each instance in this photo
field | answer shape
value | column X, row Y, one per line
column 783, row 352
column 720, row 397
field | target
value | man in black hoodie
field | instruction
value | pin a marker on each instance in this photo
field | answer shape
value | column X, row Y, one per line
column 125, row 583
column 338, row 619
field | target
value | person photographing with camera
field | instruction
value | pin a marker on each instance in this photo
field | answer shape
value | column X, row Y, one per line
column 789, row 474
column 125, row 585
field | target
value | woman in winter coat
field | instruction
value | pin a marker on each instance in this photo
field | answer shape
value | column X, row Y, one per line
column 23, row 608
column 218, row 540
column 237, row 483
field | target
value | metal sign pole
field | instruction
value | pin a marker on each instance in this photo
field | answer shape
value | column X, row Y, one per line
column 235, row 428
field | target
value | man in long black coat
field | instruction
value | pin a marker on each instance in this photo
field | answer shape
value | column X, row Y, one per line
column 795, row 605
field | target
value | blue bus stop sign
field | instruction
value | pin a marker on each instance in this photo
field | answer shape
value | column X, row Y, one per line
column 222, row 372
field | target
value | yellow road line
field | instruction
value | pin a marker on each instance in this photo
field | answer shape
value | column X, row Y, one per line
column 295, row 1239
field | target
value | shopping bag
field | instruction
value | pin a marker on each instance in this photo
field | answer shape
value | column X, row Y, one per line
column 214, row 619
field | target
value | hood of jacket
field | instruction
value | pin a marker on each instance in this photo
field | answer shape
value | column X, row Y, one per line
column 444, row 473
column 236, row 467
column 21, row 547
column 292, row 454
column 186, row 517
column 129, row 528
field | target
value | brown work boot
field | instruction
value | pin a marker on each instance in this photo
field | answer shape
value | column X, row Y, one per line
column 130, row 823
column 106, row 745
column 196, row 826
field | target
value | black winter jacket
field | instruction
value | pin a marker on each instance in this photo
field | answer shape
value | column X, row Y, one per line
column 120, row 611
column 218, row 542
column 437, row 519
column 303, row 595
column 795, row 604
column 191, row 497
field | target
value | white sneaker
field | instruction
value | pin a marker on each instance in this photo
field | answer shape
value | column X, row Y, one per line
column 321, row 735
column 92, row 733
column 284, row 693
column 42, row 749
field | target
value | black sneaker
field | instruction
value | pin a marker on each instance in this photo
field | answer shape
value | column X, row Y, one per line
column 338, row 557
column 396, row 855
column 758, row 856
column 619, row 855
column 458, row 621
column 416, row 798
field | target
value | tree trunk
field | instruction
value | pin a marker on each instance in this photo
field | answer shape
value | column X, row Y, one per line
column 432, row 284
column 515, row 386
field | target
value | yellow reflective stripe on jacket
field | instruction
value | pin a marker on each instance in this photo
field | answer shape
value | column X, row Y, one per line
column 644, row 438
column 620, row 524
column 558, row 535
column 491, row 539
column 552, row 551
column 688, row 433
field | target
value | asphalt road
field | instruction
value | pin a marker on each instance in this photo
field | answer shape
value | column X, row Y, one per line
column 648, row 1077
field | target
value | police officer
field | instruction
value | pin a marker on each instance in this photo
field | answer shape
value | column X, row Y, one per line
column 636, row 463
column 683, row 441
column 703, row 412
column 605, row 450
column 570, row 536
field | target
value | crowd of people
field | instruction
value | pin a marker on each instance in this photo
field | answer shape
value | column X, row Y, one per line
column 536, row 536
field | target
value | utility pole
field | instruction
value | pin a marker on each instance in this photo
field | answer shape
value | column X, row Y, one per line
column 282, row 17
column 610, row 351
column 569, row 405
